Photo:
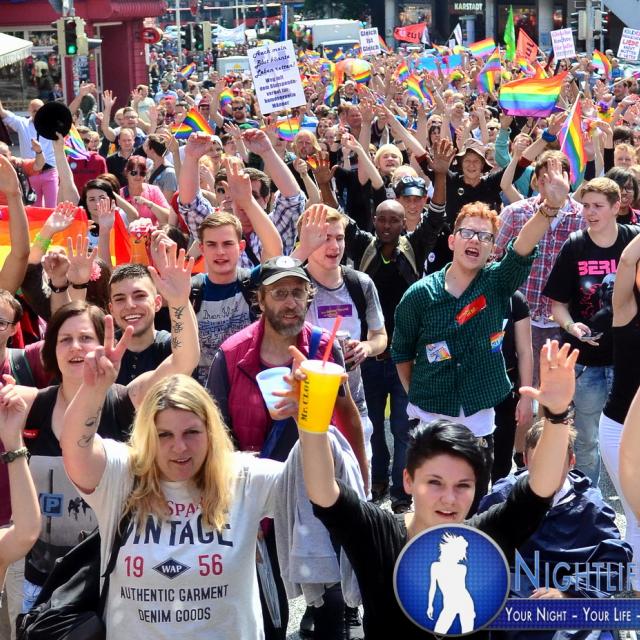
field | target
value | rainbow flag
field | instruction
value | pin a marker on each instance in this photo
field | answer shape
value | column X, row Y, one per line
column 383, row 44
column 287, row 128
column 402, row 72
column 572, row 143
column 486, row 79
column 539, row 71
column 192, row 123
column 532, row 97
column 226, row 97
column 187, row 70
column 74, row 148
column 414, row 87
column 482, row 48
column 310, row 54
column 339, row 55
column 600, row 61
column 332, row 87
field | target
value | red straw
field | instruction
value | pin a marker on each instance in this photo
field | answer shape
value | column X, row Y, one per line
column 332, row 337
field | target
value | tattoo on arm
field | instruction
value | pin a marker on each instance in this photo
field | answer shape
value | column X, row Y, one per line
column 175, row 342
column 177, row 326
column 93, row 420
column 177, row 312
column 86, row 441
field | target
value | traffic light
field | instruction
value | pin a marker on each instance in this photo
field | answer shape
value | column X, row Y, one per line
column 58, row 25
column 185, row 37
column 579, row 24
column 70, row 37
column 197, row 36
column 600, row 21
column 83, row 41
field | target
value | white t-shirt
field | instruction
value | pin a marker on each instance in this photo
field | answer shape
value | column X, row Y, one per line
column 178, row 578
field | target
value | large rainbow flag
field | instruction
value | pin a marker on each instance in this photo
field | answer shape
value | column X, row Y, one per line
column 532, row 97
column 572, row 143
column 482, row 48
column 486, row 79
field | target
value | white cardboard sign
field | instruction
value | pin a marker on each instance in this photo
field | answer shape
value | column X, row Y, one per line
column 276, row 78
column 369, row 42
column 629, row 48
column 563, row 44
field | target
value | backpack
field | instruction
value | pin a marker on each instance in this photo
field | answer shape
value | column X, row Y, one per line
column 20, row 367
column 246, row 284
column 354, row 287
column 70, row 605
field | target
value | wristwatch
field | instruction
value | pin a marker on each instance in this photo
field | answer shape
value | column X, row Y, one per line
column 10, row 456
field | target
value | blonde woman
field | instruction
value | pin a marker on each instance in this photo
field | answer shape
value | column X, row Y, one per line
column 187, row 564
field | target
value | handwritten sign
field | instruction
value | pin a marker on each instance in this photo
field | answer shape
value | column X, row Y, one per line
column 563, row 44
column 275, row 77
column 369, row 42
column 629, row 48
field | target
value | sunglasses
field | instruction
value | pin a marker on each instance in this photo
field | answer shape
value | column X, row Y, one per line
column 237, row 108
column 492, row 128
column 138, row 172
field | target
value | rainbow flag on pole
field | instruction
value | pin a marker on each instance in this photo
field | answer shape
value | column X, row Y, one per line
column 402, row 72
column 600, row 61
column 572, row 143
column 532, row 97
column 187, row 70
column 482, row 48
column 287, row 128
column 192, row 123
column 486, row 79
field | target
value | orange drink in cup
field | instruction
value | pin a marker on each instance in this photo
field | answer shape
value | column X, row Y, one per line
column 318, row 394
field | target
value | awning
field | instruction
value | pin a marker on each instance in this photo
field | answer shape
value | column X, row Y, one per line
column 13, row 49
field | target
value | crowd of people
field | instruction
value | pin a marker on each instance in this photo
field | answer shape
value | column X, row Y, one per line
column 489, row 305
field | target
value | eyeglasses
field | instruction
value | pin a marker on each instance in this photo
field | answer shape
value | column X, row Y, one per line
column 5, row 324
column 483, row 236
column 138, row 172
column 221, row 191
column 237, row 108
column 281, row 294
column 492, row 128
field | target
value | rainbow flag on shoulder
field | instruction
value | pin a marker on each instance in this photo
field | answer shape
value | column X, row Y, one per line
column 531, row 97
column 482, row 48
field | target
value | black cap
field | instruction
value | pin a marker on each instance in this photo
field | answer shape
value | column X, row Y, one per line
column 52, row 118
column 281, row 267
column 410, row 186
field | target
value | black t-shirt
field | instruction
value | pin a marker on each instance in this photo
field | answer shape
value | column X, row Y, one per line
column 115, row 165
column 134, row 363
column 582, row 277
column 358, row 200
column 518, row 310
column 626, row 372
column 64, row 513
column 373, row 539
column 391, row 287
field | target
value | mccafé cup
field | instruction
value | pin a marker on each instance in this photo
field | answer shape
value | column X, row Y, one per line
column 318, row 394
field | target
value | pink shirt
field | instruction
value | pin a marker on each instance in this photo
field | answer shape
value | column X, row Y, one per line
column 150, row 192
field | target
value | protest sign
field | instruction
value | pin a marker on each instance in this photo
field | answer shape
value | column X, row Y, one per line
column 276, row 78
column 629, row 48
column 370, row 42
column 563, row 44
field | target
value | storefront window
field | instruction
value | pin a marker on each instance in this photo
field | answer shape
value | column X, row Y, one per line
column 414, row 13
column 524, row 17
column 35, row 76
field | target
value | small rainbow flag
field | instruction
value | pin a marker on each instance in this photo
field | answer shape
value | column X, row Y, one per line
column 226, row 97
column 572, row 143
column 383, row 44
column 192, row 123
column 540, row 72
column 414, row 86
column 287, row 128
column 533, row 97
column 311, row 54
column 600, row 61
column 402, row 72
column 486, row 79
column 74, row 147
column 187, row 70
column 482, row 48
column 339, row 55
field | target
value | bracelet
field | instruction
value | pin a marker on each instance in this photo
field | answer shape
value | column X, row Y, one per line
column 566, row 417
column 82, row 285
column 548, row 137
column 58, row 289
column 10, row 456
column 546, row 212
column 41, row 242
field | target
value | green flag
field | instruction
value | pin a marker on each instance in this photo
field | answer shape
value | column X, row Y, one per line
column 510, row 37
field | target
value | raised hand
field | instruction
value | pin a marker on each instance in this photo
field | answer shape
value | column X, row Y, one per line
column 301, row 166
column 55, row 264
column 313, row 229
column 101, row 366
column 557, row 377
column 443, row 154
column 9, row 183
column 171, row 274
column 80, row 260
column 106, row 214
column 238, row 183
column 109, row 99
column 233, row 130
column 13, row 414
column 35, row 146
column 198, row 145
column 61, row 217
column 555, row 122
column 557, row 183
column 257, row 141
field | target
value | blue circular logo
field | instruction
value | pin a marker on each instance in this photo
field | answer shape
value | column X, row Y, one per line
column 451, row 580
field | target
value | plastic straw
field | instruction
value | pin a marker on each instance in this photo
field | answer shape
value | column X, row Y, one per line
column 332, row 337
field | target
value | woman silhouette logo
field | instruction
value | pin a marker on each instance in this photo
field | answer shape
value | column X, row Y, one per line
column 459, row 573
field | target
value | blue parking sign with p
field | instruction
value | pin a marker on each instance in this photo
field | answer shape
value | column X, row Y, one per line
column 51, row 504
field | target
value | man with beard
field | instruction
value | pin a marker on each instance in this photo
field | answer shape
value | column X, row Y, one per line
column 284, row 295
